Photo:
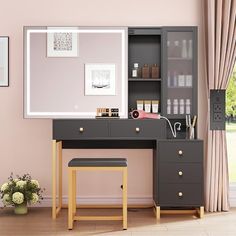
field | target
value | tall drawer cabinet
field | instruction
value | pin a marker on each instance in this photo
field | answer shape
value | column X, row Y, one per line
column 180, row 177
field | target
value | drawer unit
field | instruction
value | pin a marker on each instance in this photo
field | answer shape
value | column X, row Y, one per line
column 181, row 151
column 181, row 195
column 79, row 129
column 138, row 128
column 180, row 173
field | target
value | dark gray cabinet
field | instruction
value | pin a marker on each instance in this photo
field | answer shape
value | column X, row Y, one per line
column 179, row 72
column 180, row 173
column 174, row 51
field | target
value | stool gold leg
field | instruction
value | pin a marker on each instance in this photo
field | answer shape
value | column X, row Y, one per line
column 74, row 192
column 70, row 200
column 125, row 198
column 54, row 179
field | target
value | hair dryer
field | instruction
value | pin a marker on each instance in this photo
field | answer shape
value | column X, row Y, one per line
column 139, row 114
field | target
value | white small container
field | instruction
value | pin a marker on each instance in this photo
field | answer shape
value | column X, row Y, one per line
column 135, row 69
column 181, row 81
column 187, row 106
column 188, row 80
column 181, row 106
column 175, row 107
column 139, row 104
column 147, row 106
column 155, row 106
column 168, row 106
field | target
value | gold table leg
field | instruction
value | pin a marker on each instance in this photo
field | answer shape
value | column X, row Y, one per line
column 54, row 179
column 125, row 198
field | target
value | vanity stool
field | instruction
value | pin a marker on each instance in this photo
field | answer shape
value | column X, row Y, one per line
column 90, row 164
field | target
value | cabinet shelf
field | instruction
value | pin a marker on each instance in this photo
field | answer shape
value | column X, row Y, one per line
column 142, row 79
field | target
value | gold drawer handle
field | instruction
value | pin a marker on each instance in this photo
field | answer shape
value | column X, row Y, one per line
column 81, row 129
column 180, row 194
column 180, row 173
column 137, row 130
column 180, row 152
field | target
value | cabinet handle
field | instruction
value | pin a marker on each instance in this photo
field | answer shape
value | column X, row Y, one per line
column 180, row 173
column 81, row 129
column 180, row 194
column 137, row 130
column 180, row 152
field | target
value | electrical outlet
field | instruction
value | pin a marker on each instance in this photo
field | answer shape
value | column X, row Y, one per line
column 217, row 117
column 217, row 107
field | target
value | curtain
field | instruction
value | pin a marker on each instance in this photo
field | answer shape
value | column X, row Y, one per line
column 220, row 45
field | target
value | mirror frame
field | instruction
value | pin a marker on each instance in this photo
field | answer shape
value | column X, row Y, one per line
column 28, row 30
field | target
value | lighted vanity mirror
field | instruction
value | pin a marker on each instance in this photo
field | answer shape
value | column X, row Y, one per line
column 71, row 71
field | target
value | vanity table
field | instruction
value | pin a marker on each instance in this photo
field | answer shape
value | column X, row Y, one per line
column 177, row 164
column 63, row 86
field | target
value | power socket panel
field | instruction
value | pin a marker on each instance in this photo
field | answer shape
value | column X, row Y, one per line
column 217, row 109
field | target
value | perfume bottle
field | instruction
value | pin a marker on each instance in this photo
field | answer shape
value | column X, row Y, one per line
column 184, row 53
column 175, row 80
column 155, row 72
column 177, row 49
column 187, row 106
column 168, row 106
column 190, row 49
column 181, row 106
column 169, row 80
column 145, row 71
column 175, row 107
column 135, row 71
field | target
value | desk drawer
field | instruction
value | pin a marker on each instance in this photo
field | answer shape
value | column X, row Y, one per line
column 79, row 129
column 180, row 195
column 138, row 128
column 181, row 151
column 180, row 173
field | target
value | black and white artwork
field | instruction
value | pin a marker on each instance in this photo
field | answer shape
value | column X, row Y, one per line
column 4, row 61
column 100, row 79
column 62, row 42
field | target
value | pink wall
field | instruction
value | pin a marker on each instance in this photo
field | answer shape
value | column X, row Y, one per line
column 25, row 144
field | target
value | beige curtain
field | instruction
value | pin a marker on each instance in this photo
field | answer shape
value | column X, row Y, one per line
column 220, row 42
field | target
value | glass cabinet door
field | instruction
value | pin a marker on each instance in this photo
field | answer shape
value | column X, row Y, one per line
column 180, row 73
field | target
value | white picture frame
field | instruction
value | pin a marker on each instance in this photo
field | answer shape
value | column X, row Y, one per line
column 100, row 79
column 4, row 61
column 62, row 42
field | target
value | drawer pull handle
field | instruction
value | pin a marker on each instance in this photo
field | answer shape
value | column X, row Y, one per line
column 180, row 152
column 81, row 129
column 137, row 130
column 180, row 194
column 180, row 173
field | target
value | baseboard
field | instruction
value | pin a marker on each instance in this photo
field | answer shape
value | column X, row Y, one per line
column 232, row 195
column 97, row 200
